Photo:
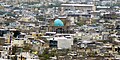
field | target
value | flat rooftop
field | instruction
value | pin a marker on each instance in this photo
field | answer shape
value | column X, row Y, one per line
column 79, row 5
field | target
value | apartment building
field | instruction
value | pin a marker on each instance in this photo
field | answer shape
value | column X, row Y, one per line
column 80, row 7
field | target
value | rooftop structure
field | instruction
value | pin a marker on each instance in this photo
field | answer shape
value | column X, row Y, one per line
column 58, row 22
column 79, row 5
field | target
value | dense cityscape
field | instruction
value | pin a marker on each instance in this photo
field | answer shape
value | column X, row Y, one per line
column 59, row 29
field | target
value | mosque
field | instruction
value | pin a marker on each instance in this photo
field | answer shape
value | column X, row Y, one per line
column 60, row 25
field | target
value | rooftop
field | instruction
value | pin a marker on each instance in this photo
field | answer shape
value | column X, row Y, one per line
column 82, row 5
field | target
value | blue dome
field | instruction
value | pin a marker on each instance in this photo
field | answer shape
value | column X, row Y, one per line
column 58, row 22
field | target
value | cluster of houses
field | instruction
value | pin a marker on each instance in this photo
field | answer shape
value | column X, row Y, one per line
column 76, row 29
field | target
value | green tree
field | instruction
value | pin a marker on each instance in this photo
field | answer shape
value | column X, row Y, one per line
column 14, row 50
column 27, row 47
column 75, row 40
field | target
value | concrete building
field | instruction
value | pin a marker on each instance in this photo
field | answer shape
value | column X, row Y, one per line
column 61, row 41
column 19, row 42
column 80, row 7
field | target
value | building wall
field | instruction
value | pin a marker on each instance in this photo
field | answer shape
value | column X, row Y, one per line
column 65, row 43
column 82, row 8
column 18, row 42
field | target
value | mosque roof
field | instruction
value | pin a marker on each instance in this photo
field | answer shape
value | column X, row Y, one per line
column 58, row 22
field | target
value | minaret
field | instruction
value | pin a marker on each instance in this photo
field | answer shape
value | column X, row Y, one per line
column 94, row 2
column 111, row 4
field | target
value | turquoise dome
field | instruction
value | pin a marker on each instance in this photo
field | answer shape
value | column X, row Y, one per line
column 58, row 22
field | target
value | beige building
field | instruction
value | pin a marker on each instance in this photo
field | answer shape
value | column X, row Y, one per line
column 19, row 42
column 80, row 7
